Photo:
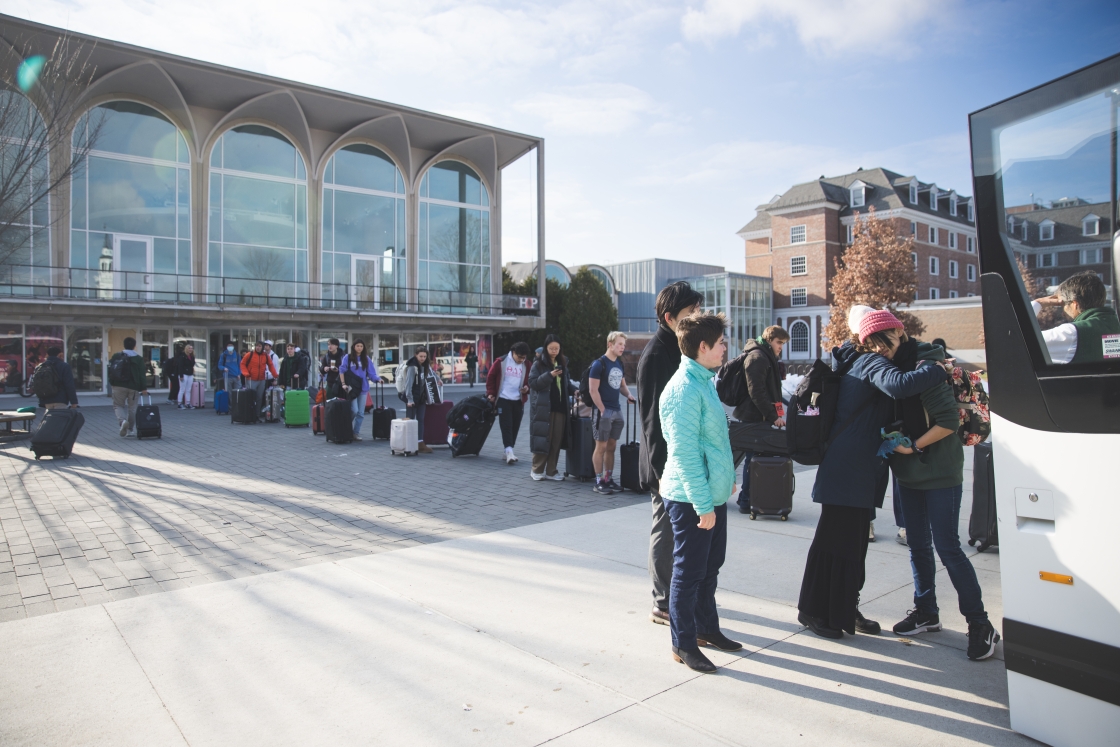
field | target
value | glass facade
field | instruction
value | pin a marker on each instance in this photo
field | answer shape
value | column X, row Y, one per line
column 454, row 241
column 25, row 247
column 130, row 205
column 364, row 263
column 744, row 299
column 258, row 219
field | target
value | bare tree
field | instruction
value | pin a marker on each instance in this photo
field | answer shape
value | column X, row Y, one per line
column 263, row 264
column 40, row 104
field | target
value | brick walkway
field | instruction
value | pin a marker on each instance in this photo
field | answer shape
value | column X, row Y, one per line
column 212, row 501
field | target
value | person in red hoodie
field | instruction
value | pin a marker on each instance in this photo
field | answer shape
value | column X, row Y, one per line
column 507, row 386
column 256, row 367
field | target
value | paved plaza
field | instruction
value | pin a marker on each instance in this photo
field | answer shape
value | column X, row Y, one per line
column 234, row 586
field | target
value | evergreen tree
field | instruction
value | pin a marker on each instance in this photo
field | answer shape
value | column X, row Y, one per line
column 587, row 316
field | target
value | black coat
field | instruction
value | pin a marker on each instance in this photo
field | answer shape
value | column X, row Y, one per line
column 540, row 401
column 184, row 365
column 763, row 384
column 660, row 360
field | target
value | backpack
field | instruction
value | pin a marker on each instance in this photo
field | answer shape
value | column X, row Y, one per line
column 45, row 380
column 731, row 382
column 585, row 385
column 120, row 370
column 812, row 412
column 975, row 422
column 398, row 379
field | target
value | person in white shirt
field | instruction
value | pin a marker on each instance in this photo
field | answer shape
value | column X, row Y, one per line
column 275, row 362
column 1094, row 333
column 507, row 386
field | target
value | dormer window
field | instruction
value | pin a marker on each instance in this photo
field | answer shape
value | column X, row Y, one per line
column 1025, row 226
column 971, row 212
column 914, row 192
column 1011, row 224
column 858, row 192
column 1090, row 225
column 953, row 204
column 1046, row 230
column 933, row 197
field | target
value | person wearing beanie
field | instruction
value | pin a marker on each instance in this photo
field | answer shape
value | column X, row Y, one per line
column 851, row 478
column 855, row 315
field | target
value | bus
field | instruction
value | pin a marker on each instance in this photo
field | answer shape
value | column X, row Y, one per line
column 1044, row 168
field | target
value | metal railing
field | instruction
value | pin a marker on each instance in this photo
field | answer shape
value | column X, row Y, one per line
column 31, row 282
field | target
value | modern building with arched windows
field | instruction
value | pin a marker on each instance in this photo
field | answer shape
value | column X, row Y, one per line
column 212, row 205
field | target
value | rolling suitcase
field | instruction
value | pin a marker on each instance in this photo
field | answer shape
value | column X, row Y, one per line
column 318, row 420
column 403, row 437
column 221, row 402
column 470, row 422
column 435, row 423
column 148, row 424
column 581, row 445
column 337, row 422
column 243, row 406
column 197, row 396
column 297, row 408
column 274, row 404
column 983, row 527
column 383, row 416
column 628, row 476
column 57, row 433
column 772, row 486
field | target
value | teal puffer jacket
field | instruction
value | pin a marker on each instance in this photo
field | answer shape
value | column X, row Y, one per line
column 699, row 468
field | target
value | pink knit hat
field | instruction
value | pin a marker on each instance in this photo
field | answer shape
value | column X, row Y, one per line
column 877, row 321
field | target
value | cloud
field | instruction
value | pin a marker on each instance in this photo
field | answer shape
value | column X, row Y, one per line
column 827, row 26
column 595, row 109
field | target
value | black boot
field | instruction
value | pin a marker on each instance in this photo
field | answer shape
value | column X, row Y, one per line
column 694, row 660
column 819, row 626
column 865, row 626
column 718, row 640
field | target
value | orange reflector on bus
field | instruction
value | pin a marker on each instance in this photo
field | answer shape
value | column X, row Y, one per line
column 1057, row 578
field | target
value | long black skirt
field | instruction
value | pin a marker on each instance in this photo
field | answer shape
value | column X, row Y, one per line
column 834, row 570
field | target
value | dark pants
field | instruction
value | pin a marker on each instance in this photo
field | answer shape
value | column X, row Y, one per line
column 173, row 389
column 471, row 372
column 745, row 491
column 834, row 568
column 698, row 555
column 660, row 552
column 417, row 412
column 932, row 518
column 899, row 519
column 509, row 419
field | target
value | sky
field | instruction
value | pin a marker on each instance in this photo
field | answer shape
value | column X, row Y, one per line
column 666, row 122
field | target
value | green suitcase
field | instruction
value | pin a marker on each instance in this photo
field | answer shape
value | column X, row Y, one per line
column 297, row 408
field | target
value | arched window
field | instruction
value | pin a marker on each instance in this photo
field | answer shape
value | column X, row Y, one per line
column 25, row 242
column 258, row 218
column 454, row 262
column 799, row 338
column 363, row 229
column 556, row 273
column 603, row 278
column 130, row 202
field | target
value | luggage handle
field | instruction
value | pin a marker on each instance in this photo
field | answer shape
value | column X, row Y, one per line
column 140, row 399
column 631, row 431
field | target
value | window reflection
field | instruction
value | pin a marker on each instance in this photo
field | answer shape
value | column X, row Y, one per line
column 25, row 244
column 454, row 240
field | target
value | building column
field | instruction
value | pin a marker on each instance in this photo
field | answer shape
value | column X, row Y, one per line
column 816, row 339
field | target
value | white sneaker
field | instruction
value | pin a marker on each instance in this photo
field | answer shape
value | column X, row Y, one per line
column 124, row 428
column 512, row 457
column 558, row 477
column 538, row 476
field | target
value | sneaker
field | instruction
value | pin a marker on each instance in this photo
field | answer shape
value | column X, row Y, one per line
column 900, row 538
column 124, row 428
column 614, row 485
column 538, row 476
column 865, row 626
column 357, row 437
column 982, row 640
column 512, row 457
column 918, row 622
column 871, row 533
column 602, row 489
column 558, row 477
column 181, row 407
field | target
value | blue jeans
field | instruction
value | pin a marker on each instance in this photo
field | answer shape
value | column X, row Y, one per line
column 744, row 499
column 358, row 411
column 932, row 517
column 698, row 555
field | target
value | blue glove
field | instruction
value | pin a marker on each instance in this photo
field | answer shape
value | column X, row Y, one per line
column 890, row 441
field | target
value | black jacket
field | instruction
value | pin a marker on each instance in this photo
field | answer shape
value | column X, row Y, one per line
column 330, row 377
column 184, row 364
column 763, row 384
column 296, row 366
column 541, row 382
column 67, row 393
column 660, row 360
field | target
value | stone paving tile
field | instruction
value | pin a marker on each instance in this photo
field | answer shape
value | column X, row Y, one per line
column 211, row 502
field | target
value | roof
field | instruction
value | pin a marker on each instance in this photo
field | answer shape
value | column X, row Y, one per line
column 1067, row 224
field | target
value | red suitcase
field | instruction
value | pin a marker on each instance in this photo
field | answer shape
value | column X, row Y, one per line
column 318, row 422
column 435, row 424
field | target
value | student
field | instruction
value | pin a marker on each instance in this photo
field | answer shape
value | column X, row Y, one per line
column 294, row 369
column 471, row 360
column 605, row 381
column 172, row 374
column 698, row 480
column 852, row 477
column 357, row 365
column 507, row 386
column 55, row 385
column 660, row 360
column 229, row 364
column 256, row 367
column 184, row 365
column 550, row 385
column 930, row 477
column 764, row 394
column 271, row 380
column 328, row 366
column 1094, row 326
column 126, row 393
column 417, row 377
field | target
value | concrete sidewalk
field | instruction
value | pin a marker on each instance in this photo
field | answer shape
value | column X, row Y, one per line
column 525, row 636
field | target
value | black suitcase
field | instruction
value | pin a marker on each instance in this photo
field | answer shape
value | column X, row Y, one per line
column 581, row 445
column 469, row 442
column 757, row 438
column 772, row 486
column 148, row 424
column 983, row 529
column 57, row 433
column 339, row 425
column 628, row 476
column 243, row 406
column 383, row 416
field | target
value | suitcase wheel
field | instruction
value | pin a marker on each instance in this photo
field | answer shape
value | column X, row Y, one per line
column 785, row 517
column 753, row 515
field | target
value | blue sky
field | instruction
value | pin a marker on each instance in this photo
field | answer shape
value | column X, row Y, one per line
column 666, row 121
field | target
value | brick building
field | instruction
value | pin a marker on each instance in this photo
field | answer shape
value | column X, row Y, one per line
column 797, row 237
column 1061, row 238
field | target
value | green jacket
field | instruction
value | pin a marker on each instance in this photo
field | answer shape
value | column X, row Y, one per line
column 942, row 463
column 1092, row 324
column 699, row 468
column 137, row 366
